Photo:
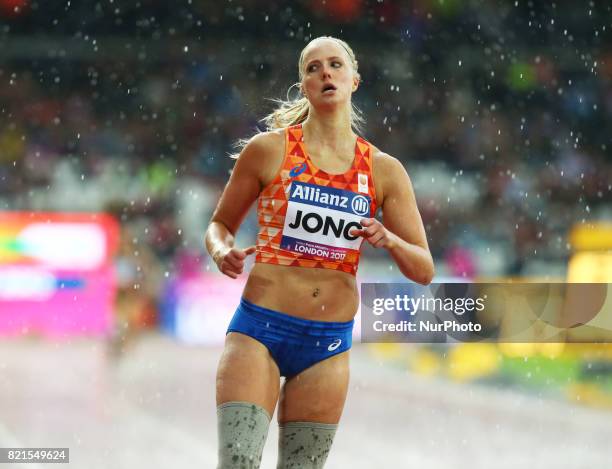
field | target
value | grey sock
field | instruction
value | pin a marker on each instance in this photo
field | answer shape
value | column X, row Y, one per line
column 242, row 432
column 304, row 445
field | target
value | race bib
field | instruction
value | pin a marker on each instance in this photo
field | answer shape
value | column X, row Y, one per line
column 319, row 219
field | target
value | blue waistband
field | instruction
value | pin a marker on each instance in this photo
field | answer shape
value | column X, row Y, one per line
column 306, row 324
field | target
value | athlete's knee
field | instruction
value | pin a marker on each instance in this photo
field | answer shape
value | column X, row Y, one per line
column 304, row 445
column 242, row 432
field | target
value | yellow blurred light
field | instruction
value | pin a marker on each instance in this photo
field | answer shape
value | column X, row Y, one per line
column 551, row 350
column 518, row 349
column 470, row 361
column 426, row 362
column 591, row 237
column 590, row 266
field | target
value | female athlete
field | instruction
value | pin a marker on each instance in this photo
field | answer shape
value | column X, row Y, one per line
column 318, row 186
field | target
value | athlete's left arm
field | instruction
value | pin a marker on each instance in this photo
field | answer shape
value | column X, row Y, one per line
column 402, row 232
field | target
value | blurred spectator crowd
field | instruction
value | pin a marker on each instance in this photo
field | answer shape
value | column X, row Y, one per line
column 501, row 112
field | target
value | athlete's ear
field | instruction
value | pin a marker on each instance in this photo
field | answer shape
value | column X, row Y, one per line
column 356, row 79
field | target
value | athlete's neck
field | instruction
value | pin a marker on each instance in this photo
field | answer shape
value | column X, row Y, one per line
column 332, row 130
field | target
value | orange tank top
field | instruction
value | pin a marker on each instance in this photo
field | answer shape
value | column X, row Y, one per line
column 305, row 214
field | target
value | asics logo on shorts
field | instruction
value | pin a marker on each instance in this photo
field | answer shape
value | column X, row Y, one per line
column 335, row 345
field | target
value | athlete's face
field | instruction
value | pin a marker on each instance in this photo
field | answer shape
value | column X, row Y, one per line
column 328, row 78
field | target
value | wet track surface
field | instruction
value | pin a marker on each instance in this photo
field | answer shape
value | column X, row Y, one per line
column 154, row 408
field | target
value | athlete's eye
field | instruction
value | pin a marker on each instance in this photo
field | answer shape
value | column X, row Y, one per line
column 336, row 64
column 311, row 68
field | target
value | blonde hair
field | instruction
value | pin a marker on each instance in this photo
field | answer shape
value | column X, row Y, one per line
column 295, row 111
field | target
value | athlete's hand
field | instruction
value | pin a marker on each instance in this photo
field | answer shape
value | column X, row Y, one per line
column 374, row 232
column 230, row 262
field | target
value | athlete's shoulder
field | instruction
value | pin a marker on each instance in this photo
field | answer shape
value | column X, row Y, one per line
column 266, row 142
column 264, row 153
column 388, row 172
column 384, row 163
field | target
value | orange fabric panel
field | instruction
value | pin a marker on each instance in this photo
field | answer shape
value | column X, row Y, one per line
column 273, row 202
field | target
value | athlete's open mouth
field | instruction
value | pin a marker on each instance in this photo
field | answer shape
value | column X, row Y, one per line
column 328, row 87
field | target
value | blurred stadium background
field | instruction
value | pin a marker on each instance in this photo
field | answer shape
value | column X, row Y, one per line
column 116, row 121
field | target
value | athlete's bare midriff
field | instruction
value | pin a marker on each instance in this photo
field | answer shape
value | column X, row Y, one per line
column 316, row 294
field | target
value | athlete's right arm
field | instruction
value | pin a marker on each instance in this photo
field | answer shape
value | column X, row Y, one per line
column 253, row 170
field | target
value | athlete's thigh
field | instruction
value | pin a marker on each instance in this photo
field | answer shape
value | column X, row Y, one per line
column 318, row 393
column 247, row 372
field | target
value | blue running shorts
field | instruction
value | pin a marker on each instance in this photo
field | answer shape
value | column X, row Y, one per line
column 294, row 343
